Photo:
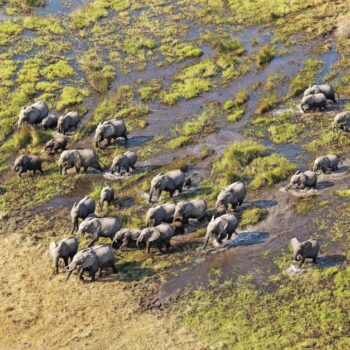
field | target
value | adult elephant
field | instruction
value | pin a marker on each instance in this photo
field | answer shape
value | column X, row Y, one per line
column 25, row 163
column 92, row 260
column 81, row 210
column 78, row 158
column 316, row 101
column 326, row 89
column 326, row 163
column 110, row 129
column 169, row 182
column 305, row 250
column 64, row 249
column 160, row 213
column 194, row 209
column 67, row 122
column 33, row 114
column 342, row 121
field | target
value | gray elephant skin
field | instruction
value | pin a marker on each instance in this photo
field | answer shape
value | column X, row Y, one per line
column 64, row 249
column 106, row 196
column 82, row 210
column 109, row 130
column 125, row 162
column 99, row 227
column 78, row 158
column 316, row 101
column 160, row 213
column 49, row 122
column 57, row 143
column 194, row 209
column 92, row 260
column 231, row 196
column 342, row 121
column 158, row 236
column 126, row 237
column 220, row 228
column 326, row 89
column 33, row 114
column 305, row 250
column 27, row 163
column 67, row 122
column 169, row 182
column 327, row 163
column 302, row 180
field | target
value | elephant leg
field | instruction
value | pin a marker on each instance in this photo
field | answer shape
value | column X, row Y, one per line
column 94, row 239
column 65, row 259
column 167, row 247
column 148, row 247
column 124, row 244
column 114, row 268
column 92, row 275
column 81, row 272
column 56, row 266
column 171, row 193
column 100, row 272
column 40, row 169
column 314, row 260
column 301, row 262
column 206, row 242
column 85, row 169
column 65, row 169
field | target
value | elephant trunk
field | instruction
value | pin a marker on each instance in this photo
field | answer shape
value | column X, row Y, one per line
column 60, row 168
column 206, row 242
column 139, row 240
column 150, row 195
column 302, row 106
column 69, row 273
column 288, row 187
column 75, row 225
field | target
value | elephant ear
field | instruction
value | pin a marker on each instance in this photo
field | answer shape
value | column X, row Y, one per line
column 77, row 158
column 154, row 236
column 89, row 260
column 222, row 226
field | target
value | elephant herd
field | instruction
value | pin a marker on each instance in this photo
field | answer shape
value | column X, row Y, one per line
column 163, row 221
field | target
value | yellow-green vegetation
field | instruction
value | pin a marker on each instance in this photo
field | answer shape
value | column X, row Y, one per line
column 265, row 55
column 235, row 115
column 283, row 133
column 15, row 6
column 306, row 205
column 253, row 216
column 343, row 193
column 175, row 51
column 305, row 77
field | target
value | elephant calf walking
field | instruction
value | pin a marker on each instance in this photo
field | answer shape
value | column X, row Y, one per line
column 305, row 250
column 78, row 158
column 27, row 162
column 81, row 210
column 302, row 180
column 326, row 163
column 106, row 195
column 64, row 249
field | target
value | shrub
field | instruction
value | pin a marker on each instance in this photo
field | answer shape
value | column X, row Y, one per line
column 253, row 216
column 283, row 133
column 265, row 55
column 71, row 96
column 178, row 142
column 235, row 116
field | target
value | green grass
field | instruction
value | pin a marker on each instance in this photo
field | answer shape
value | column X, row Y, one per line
column 343, row 193
column 253, row 216
column 178, row 142
column 235, row 115
column 71, row 96
column 265, row 55
column 267, row 103
column 175, row 51
column 283, row 133
column 305, row 77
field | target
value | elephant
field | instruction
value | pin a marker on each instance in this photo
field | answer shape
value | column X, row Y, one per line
column 49, row 122
column 124, row 238
column 160, row 213
column 64, row 249
column 110, row 129
column 220, row 228
column 125, row 161
column 158, row 236
column 68, row 121
column 301, row 180
column 93, row 260
column 304, row 250
column 169, row 182
column 82, row 210
column 99, row 227
column 106, row 195
column 231, row 196
column 326, row 89
column 77, row 158
column 326, row 163
column 342, row 121
column 57, row 143
column 33, row 114
column 27, row 162
column 194, row 209
column 316, row 101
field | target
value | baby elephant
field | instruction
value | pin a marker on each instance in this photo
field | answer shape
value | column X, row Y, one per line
column 99, row 227
column 27, row 162
column 220, row 228
column 342, row 121
column 64, row 249
column 81, row 210
column 160, row 213
column 92, row 260
column 57, row 143
column 67, row 122
column 158, row 236
column 106, row 195
column 316, row 101
column 327, row 163
column 231, row 196
column 125, row 237
column 49, row 122
column 194, row 209
column 125, row 162
column 78, row 158
column 305, row 250
column 307, row 179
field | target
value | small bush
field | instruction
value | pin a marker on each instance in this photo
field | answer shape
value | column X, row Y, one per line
column 253, row 216
column 283, row 133
column 265, row 55
column 235, row 116
column 178, row 142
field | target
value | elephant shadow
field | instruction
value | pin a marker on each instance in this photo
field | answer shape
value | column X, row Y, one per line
column 324, row 184
column 137, row 141
column 129, row 271
column 263, row 203
column 342, row 169
column 326, row 261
